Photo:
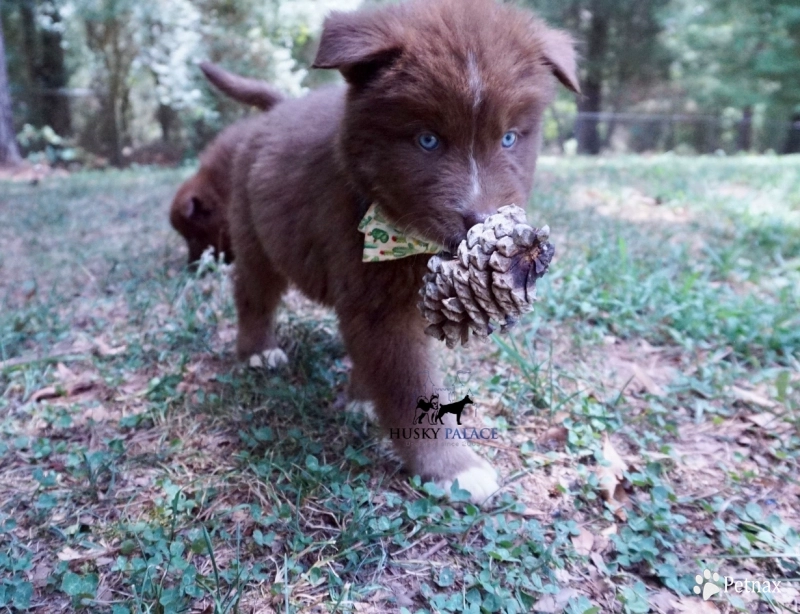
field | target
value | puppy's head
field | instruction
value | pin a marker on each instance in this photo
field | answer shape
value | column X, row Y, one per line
column 198, row 214
column 444, row 112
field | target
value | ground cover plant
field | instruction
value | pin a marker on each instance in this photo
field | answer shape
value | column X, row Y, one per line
column 648, row 413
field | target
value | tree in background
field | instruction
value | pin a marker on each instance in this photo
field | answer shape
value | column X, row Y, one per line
column 111, row 35
column 621, row 56
column 272, row 40
column 729, row 65
column 171, row 43
column 134, row 63
column 46, row 76
column 9, row 153
column 739, row 55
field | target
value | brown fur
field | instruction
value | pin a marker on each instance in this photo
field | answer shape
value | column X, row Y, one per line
column 249, row 91
column 199, row 209
column 466, row 70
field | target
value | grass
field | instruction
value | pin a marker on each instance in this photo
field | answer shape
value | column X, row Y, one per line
column 648, row 412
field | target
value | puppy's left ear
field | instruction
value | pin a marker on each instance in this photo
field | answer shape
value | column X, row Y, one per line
column 559, row 53
column 358, row 44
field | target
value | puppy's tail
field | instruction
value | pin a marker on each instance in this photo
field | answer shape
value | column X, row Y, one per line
column 249, row 91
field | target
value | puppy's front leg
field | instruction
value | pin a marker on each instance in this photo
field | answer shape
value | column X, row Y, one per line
column 389, row 350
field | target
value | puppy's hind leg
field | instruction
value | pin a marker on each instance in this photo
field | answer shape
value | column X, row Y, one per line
column 257, row 291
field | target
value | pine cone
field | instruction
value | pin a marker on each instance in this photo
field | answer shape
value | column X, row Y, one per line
column 491, row 281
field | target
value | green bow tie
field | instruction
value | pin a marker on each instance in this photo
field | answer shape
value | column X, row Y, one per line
column 382, row 241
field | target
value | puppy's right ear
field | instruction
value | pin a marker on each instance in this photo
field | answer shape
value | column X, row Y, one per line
column 358, row 44
column 559, row 53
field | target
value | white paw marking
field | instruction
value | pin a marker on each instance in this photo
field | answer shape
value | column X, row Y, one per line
column 271, row 359
column 707, row 584
column 366, row 408
column 480, row 481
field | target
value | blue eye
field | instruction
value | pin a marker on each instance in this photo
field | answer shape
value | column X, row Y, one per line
column 509, row 138
column 428, row 141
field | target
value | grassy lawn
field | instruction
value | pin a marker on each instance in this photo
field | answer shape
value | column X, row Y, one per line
column 649, row 413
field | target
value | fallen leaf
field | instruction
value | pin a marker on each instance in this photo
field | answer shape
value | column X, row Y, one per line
column 694, row 605
column 64, row 373
column 583, row 542
column 71, row 385
column 103, row 593
column 82, row 385
column 599, row 563
column 765, row 420
column 554, row 435
column 610, row 476
column 41, row 573
column 752, row 398
column 49, row 392
column 646, row 381
column 787, row 595
column 70, row 554
column 98, row 414
column 662, row 600
column 226, row 335
column 403, row 595
column 106, row 350
column 551, row 604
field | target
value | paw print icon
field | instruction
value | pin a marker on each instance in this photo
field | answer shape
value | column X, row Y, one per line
column 706, row 584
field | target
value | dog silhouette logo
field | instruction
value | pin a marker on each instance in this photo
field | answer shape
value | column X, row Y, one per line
column 431, row 408
column 453, row 408
column 424, row 406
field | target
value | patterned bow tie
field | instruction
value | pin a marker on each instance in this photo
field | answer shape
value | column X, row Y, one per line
column 382, row 240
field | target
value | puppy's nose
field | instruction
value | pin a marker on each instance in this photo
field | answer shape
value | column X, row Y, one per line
column 474, row 217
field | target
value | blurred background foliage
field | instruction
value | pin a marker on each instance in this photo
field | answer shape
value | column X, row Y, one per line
column 99, row 82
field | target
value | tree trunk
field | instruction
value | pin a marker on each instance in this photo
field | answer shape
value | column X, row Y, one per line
column 9, row 153
column 588, row 131
column 611, row 125
column 744, row 138
column 166, row 117
column 591, row 103
column 669, row 130
column 793, row 138
column 54, row 78
column 27, row 17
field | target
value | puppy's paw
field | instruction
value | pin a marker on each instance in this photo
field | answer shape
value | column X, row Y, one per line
column 271, row 359
column 365, row 408
column 480, row 481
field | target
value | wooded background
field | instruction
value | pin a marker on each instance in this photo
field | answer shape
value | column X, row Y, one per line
column 101, row 82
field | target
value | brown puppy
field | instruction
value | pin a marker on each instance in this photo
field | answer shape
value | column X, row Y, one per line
column 199, row 209
column 440, row 123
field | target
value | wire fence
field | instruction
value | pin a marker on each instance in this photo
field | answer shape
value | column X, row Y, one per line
column 634, row 132
column 594, row 133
